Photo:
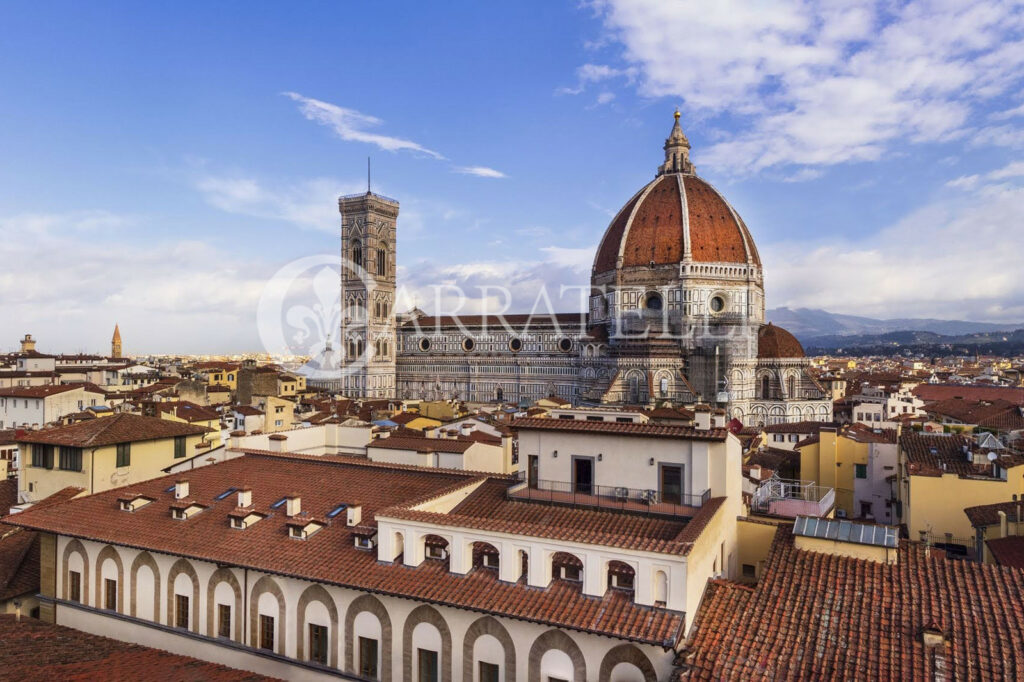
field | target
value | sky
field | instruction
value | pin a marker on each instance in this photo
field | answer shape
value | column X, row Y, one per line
column 160, row 165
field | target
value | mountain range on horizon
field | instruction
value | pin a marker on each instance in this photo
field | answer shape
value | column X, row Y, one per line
column 808, row 324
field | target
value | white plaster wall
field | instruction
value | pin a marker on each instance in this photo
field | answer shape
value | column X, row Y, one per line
column 523, row 633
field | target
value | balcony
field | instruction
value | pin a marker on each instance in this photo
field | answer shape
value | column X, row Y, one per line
column 617, row 498
column 792, row 498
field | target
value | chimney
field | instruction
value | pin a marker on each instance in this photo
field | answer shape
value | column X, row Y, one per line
column 293, row 505
column 701, row 417
column 755, row 472
column 1003, row 530
column 181, row 489
column 718, row 419
column 245, row 497
column 278, row 442
column 354, row 514
column 467, row 428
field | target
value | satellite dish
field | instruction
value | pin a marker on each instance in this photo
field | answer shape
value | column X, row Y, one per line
column 992, row 456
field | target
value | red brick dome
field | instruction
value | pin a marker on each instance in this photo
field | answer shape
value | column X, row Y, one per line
column 677, row 217
column 776, row 342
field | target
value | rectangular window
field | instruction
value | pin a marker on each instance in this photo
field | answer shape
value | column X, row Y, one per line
column 368, row 657
column 318, row 643
column 860, row 470
column 224, row 620
column 749, row 571
column 179, row 447
column 267, row 632
column 74, row 586
column 42, row 456
column 110, row 593
column 427, row 665
column 70, row 458
column 181, row 611
column 124, row 454
column 489, row 672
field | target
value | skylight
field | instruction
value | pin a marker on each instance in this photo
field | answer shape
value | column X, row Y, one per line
column 337, row 510
column 279, row 503
column 225, row 493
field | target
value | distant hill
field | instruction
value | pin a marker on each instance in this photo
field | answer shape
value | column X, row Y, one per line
column 821, row 328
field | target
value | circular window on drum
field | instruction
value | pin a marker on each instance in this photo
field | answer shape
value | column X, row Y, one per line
column 424, row 345
column 515, row 345
column 565, row 344
column 468, row 344
column 717, row 303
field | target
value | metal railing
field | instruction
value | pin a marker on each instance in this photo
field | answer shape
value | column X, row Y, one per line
column 645, row 500
column 792, row 498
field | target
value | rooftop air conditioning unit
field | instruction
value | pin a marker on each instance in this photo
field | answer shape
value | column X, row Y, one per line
column 840, row 513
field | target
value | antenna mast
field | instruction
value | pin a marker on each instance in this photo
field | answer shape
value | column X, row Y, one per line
column 367, row 174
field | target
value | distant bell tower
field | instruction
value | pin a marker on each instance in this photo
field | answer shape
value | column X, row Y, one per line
column 368, row 332
column 115, row 343
column 28, row 344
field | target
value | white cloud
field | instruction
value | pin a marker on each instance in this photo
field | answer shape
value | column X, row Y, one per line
column 350, row 125
column 816, row 83
column 80, row 272
column 480, row 171
column 309, row 204
column 605, row 97
column 956, row 258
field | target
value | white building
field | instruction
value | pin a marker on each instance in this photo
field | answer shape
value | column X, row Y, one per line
column 35, row 406
column 304, row 567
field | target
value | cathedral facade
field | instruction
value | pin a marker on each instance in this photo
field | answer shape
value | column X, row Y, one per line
column 676, row 315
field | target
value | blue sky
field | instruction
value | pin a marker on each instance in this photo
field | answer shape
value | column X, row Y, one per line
column 160, row 164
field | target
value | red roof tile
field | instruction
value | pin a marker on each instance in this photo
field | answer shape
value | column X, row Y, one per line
column 34, row 651
column 826, row 617
column 646, row 430
column 330, row 555
column 120, row 428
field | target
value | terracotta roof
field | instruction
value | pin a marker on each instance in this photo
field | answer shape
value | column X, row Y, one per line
column 797, row 427
column 489, row 508
column 651, row 228
column 822, row 616
column 775, row 342
column 423, row 444
column 998, row 414
column 189, row 411
column 646, row 430
column 1008, row 551
column 330, row 556
column 988, row 514
column 19, row 548
column 39, row 652
column 37, row 391
column 935, row 455
column 119, row 428
column 936, row 392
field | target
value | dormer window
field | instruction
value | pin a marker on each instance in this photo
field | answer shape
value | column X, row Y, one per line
column 435, row 552
column 243, row 518
column 303, row 529
column 364, row 542
column 183, row 509
column 571, row 573
column 130, row 503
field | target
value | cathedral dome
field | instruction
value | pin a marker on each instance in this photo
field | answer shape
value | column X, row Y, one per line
column 775, row 342
column 677, row 217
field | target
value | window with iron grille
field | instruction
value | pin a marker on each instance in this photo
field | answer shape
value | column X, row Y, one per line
column 179, row 447
column 223, row 620
column 368, row 657
column 318, row 643
column 110, row 592
column 74, row 586
column 267, row 632
column 181, row 611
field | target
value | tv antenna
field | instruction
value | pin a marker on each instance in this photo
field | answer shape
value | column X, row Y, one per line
column 367, row 174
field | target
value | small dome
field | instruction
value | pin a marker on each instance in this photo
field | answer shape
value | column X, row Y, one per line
column 776, row 342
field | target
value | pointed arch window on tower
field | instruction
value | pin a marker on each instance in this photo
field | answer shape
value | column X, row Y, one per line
column 357, row 253
column 382, row 260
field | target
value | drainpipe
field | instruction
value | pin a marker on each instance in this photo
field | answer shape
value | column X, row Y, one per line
column 245, row 606
column 92, row 473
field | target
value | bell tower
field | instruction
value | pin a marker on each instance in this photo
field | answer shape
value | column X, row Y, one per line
column 115, row 343
column 368, row 332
